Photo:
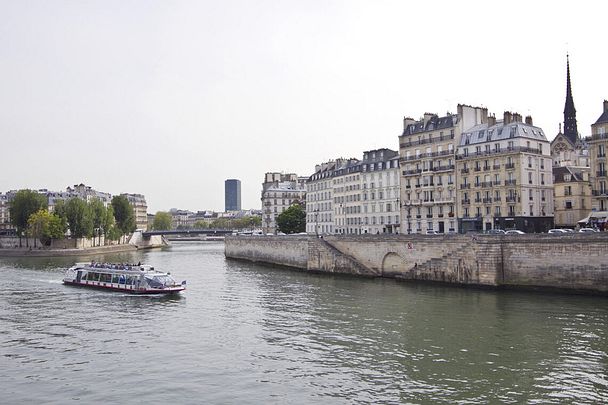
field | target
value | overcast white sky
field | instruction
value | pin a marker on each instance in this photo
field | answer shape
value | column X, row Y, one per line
column 170, row 98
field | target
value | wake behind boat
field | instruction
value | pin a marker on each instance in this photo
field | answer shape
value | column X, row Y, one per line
column 131, row 278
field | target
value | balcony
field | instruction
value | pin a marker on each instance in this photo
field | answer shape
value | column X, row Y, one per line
column 478, row 168
column 510, row 182
column 465, row 186
column 601, row 173
column 510, row 166
column 487, row 200
column 486, row 168
column 598, row 193
column 486, row 184
column 496, row 167
column 464, row 170
column 511, row 199
column 429, row 215
column 466, row 201
column 478, row 200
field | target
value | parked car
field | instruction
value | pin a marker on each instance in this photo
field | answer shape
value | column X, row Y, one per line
column 514, row 232
column 556, row 231
column 495, row 232
column 432, row 232
column 587, row 230
column 568, row 230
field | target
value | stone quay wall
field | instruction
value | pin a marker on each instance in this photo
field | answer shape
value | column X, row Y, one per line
column 575, row 262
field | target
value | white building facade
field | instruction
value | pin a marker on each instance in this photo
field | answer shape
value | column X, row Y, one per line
column 279, row 192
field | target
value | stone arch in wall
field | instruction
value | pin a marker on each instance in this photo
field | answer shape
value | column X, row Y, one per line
column 393, row 264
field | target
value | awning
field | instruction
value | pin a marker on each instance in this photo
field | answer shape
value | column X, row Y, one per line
column 600, row 216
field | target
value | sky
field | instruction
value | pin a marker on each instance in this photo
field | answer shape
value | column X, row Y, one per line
column 170, row 98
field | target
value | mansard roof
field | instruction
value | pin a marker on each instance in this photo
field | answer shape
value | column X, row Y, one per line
column 603, row 119
column 434, row 123
column 559, row 173
column 482, row 133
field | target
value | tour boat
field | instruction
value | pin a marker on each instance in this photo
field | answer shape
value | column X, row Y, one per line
column 131, row 278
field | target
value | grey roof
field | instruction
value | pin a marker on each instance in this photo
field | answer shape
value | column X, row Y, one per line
column 482, row 133
column 576, row 173
column 602, row 119
column 435, row 122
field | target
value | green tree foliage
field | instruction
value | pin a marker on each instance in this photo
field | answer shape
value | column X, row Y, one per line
column 123, row 214
column 292, row 220
column 24, row 204
column 162, row 221
column 200, row 224
column 79, row 217
column 98, row 213
column 45, row 226
column 108, row 224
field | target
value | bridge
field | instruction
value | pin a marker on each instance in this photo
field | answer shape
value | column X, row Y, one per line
column 218, row 232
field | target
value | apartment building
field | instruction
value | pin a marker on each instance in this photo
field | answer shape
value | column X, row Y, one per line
column 378, row 209
column 279, row 192
column 140, row 207
column 505, row 176
column 598, row 144
column 571, row 195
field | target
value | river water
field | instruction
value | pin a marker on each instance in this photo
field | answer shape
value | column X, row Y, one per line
column 247, row 333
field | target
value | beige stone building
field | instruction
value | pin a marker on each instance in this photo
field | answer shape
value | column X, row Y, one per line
column 505, row 176
column 598, row 144
column 427, row 150
column 571, row 195
column 279, row 192
column 378, row 210
column 352, row 196
column 140, row 207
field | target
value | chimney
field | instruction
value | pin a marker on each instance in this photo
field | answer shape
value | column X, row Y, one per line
column 529, row 120
column 507, row 118
column 407, row 121
column 427, row 118
column 491, row 120
column 605, row 105
column 516, row 117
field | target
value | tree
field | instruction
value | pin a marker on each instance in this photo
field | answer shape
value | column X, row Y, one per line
column 80, row 218
column 292, row 220
column 98, row 213
column 201, row 224
column 24, row 204
column 108, row 224
column 45, row 226
column 162, row 221
column 123, row 214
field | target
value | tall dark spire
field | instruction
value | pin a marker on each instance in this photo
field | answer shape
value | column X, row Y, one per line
column 570, row 129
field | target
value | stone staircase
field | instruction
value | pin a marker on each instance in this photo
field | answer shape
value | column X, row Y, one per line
column 324, row 256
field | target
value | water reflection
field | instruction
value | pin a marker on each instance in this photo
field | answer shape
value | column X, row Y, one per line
column 253, row 334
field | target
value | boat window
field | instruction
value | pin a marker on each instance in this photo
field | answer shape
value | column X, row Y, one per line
column 115, row 278
column 92, row 276
column 122, row 279
column 160, row 281
column 105, row 278
column 130, row 280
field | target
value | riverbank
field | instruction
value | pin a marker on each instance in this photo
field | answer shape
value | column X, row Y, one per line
column 34, row 252
column 77, row 247
column 571, row 263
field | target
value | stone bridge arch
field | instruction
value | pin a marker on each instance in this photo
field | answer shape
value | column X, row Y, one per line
column 393, row 264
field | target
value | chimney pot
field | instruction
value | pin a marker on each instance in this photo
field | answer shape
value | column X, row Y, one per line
column 529, row 120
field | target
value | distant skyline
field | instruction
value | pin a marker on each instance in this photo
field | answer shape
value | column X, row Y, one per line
column 170, row 99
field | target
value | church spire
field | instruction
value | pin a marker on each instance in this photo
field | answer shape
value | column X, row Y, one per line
column 570, row 129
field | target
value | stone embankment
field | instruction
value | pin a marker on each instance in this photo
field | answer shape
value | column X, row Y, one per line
column 576, row 263
column 9, row 247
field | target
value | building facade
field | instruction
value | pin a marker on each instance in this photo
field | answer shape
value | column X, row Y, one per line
column 279, row 192
column 427, row 149
column 140, row 207
column 505, row 177
column 378, row 209
column 232, row 195
column 598, row 144
column 571, row 195
column 352, row 196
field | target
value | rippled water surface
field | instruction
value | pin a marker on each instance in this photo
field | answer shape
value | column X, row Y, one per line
column 246, row 333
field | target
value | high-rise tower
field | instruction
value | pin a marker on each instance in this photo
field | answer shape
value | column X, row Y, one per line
column 570, row 129
column 232, row 195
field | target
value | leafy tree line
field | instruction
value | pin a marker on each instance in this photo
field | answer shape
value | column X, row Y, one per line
column 30, row 216
column 162, row 221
